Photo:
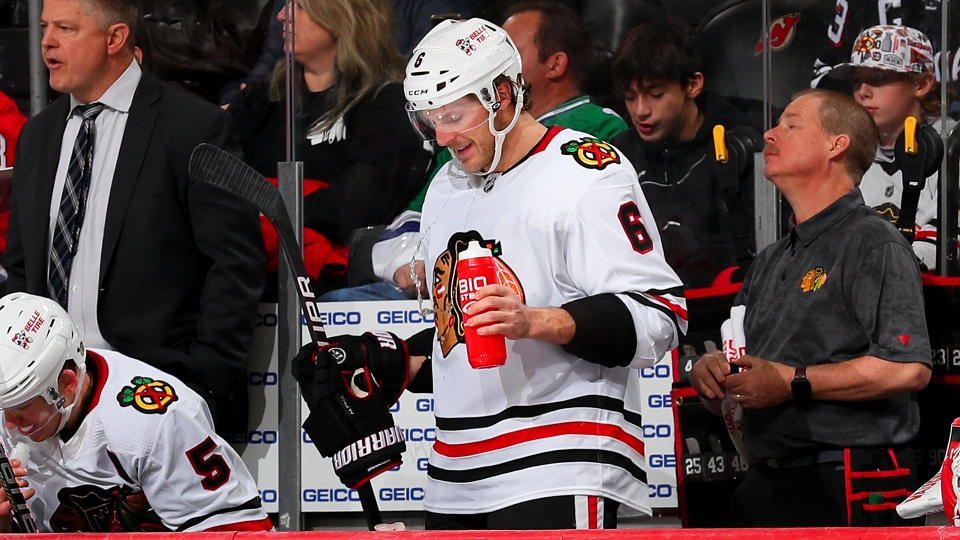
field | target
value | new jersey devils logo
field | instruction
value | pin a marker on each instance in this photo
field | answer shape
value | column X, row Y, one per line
column 446, row 305
column 782, row 30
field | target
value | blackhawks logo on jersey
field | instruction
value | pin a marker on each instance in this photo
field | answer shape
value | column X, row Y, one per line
column 591, row 153
column 88, row 508
column 446, row 287
column 147, row 395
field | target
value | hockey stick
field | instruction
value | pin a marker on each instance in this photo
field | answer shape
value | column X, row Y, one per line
column 217, row 167
column 21, row 512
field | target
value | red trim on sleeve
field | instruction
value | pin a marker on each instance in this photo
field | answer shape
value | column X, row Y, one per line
column 676, row 308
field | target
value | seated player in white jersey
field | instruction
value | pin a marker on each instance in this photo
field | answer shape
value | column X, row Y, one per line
column 113, row 444
column 552, row 439
column 891, row 69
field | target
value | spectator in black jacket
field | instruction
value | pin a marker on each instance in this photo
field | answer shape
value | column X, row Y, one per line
column 657, row 69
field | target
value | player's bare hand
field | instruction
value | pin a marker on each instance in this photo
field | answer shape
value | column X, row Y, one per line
column 498, row 310
column 406, row 282
column 709, row 373
column 763, row 384
column 6, row 508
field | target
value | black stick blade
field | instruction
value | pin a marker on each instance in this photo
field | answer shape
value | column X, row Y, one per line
column 218, row 167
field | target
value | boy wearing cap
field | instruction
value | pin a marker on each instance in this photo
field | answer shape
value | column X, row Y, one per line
column 892, row 72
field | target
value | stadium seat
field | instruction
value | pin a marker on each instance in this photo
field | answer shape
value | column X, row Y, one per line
column 731, row 44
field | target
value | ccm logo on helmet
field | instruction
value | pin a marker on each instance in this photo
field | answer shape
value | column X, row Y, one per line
column 417, row 92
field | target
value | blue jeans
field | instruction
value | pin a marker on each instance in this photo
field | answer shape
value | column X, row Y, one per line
column 381, row 290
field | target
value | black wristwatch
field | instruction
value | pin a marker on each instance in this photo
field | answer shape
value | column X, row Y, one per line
column 800, row 387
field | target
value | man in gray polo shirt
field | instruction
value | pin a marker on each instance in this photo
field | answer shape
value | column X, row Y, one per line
column 836, row 337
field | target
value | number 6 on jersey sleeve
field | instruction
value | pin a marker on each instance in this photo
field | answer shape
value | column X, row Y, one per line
column 629, row 216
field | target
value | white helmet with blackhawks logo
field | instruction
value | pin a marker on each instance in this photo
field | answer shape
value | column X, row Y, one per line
column 457, row 59
column 38, row 340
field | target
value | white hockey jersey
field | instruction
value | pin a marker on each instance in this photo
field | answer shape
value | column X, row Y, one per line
column 145, row 457
column 571, row 222
column 882, row 188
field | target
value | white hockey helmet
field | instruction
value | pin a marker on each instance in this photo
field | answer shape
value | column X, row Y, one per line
column 38, row 338
column 457, row 59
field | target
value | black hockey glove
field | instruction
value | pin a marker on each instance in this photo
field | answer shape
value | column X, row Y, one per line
column 343, row 384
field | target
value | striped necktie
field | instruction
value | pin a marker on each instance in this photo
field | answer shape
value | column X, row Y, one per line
column 73, row 201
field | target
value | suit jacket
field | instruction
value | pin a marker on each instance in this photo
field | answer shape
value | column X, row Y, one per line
column 182, row 265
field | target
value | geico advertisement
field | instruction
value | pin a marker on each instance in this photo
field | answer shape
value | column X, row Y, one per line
column 403, row 488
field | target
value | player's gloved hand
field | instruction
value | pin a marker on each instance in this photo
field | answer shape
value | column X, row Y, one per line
column 380, row 355
column 349, row 410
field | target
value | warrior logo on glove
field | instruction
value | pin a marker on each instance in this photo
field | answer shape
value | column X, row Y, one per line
column 349, row 386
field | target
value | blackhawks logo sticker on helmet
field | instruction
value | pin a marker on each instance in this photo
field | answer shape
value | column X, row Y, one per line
column 591, row 153
column 147, row 395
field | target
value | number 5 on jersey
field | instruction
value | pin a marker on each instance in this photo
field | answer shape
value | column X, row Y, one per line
column 212, row 467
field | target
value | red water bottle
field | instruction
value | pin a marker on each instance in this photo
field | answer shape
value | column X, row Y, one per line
column 476, row 269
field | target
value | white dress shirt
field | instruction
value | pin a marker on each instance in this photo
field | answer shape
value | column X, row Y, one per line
column 84, row 279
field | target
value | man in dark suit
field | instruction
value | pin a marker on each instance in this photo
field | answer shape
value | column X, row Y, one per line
column 146, row 261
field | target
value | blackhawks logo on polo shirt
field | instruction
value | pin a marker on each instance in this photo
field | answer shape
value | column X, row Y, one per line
column 591, row 153
column 814, row 279
column 147, row 395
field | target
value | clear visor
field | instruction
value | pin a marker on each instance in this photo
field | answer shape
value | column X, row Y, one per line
column 30, row 417
column 462, row 115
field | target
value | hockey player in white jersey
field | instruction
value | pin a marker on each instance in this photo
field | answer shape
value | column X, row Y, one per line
column 553, row 438
column 114, row 444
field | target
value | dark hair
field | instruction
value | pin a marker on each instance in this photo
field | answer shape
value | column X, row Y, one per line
column 840, row 113
column 561, row 30
column 930, row 103
column 659, row 49
column 520, row 86
column 108, row 12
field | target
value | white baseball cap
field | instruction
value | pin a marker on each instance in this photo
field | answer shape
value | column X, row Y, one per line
column 893, row 48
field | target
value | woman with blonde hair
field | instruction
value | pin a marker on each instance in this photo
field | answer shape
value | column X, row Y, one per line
column 362, row 160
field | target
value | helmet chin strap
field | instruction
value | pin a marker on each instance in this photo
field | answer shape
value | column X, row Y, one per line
column 498, row 136
column 62, row 412
column 65, row 413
